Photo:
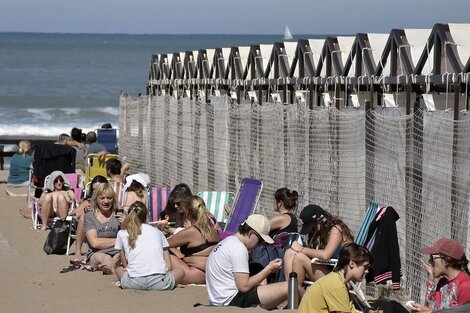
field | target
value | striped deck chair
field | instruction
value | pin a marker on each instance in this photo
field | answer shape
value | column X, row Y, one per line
column 245, row 203
column 216, row 201
column 158, row 197
column 120, row 191
column 360, row 240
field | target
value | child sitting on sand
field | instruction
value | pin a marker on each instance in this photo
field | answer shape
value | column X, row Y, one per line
column 144, row 256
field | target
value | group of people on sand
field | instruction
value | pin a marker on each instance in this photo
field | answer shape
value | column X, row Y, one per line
column 188, row 246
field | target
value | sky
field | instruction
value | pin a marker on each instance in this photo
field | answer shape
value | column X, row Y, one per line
column 227, row 17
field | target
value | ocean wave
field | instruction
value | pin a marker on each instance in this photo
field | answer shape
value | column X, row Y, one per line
column 45, row 130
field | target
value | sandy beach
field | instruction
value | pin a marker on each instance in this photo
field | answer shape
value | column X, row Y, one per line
column 32, row 281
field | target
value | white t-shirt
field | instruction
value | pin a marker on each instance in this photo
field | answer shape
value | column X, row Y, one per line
column 228, row 257
column 147, row 256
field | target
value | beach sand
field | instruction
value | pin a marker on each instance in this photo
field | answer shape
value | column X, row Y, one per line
column 31, row 281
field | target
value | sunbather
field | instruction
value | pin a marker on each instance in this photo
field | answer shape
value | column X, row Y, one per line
column 20, row 165
column 180, row 194
column 102, row 224
column 195, row 242
column 56, row 198
column 326, row 235
column 329, row 293
column 145, row 259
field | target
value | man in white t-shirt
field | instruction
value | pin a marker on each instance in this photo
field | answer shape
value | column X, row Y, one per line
column 227, row 274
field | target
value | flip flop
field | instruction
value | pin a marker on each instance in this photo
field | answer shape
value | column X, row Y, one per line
column 68, row 269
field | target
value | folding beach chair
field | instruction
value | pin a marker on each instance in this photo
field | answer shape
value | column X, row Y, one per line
column 96, row 166
column 360, row 240
column 158, row 197
column 245, row 203
column 108, row 138
column 76, row 183
column 36, row 211
column 216, row 201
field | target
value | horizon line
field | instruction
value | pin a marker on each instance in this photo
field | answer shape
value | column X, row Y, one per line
column 167, row 34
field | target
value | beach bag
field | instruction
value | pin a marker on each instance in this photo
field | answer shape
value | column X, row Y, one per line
column 260, row 258
column 56, row 241
column 265, row 253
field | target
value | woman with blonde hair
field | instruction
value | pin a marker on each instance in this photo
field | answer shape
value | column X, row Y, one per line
column 195, row 242
column 146, row 263
column 20, row 165
column 102, row 224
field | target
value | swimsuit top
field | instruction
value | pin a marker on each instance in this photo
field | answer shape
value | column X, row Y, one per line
column 291, row 228
column 187, row 251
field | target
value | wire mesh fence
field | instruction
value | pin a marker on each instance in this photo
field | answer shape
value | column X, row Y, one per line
column 419, row 163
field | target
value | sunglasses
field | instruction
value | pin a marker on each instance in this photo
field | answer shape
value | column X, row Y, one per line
column 433, row 257
column 259, row 237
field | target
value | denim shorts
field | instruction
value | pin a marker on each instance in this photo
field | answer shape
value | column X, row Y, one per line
column 150, row 282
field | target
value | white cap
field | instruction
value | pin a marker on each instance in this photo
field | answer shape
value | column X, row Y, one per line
column 260, row 224
column 138, row 178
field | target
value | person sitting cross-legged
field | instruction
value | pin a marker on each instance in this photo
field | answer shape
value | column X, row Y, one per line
column 227, row 271
column 144, row 255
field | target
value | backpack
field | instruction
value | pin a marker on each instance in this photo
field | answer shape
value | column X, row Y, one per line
column 265, row 253
column 56, row 241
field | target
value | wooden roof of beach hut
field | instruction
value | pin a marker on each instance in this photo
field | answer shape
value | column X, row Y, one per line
column 176, row 66
column 447, row 51
column 205, row 63
column 258, row 58
column 165, row 65
column 335, row 52
column 365, row 55
column 219, row 62
column 237, row 62
column 303, row 59
column 282, row 56
column 402, row 52
column 154, row 70
column 189, row 64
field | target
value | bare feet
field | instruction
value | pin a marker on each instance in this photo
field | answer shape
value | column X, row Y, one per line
column 106, row 269
column 25, row 212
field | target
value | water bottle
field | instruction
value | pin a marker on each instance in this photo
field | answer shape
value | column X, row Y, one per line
column 292, row 292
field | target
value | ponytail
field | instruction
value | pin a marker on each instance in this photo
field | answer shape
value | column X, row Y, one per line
column 136, row 215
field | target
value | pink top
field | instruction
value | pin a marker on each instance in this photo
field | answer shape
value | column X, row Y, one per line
column 447, row 294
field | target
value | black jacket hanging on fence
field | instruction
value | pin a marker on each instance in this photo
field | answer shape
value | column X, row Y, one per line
column 385, row 250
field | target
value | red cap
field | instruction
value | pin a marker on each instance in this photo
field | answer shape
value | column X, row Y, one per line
column 446, row 246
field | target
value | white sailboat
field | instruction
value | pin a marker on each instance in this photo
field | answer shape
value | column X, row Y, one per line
column 287, row 34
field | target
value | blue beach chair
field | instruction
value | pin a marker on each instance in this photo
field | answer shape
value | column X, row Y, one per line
column 245, row 203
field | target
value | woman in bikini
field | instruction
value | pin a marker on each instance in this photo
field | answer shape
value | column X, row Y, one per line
column 195, row 242
column 326, row 235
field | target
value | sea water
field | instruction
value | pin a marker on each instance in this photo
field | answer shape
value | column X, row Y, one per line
column 50, row 83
